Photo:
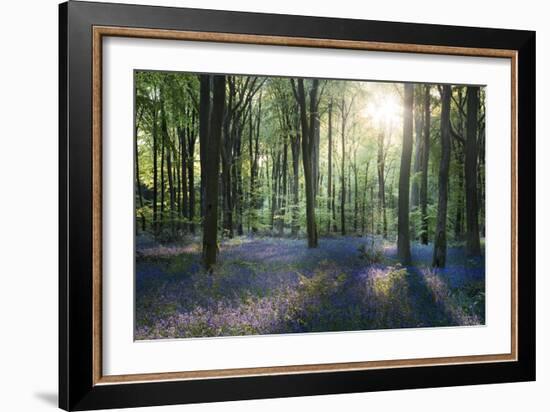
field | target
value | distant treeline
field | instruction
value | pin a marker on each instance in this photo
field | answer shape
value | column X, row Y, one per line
column 220, row 156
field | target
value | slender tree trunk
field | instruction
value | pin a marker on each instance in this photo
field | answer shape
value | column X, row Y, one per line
column 329, row 176
column 274, row 190
column 191, row 140
column 295, row 148
column 307, row 153
column 473, row 247
column 364, row 202
column 185, row 199
column 418, row 127
column 343, row 175
column 333, row 206
column 440, row 241
column 355, row 189
column 171, row 193
column 204, row 121
column 138, row 183
column 381, row 187
column 162, row 183
column 403, row 227
column 372, row 211
column 424, row 170
column 226, row 156
column 282, row 208
column 177, row 170
column 481, row 177
column 253, row 148
column 155, row 170
column 212, row 152
column 237, row 176
column 316, row 142
column 348, row 191
column 459, row 201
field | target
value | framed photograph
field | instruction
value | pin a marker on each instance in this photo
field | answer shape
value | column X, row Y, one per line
column 257, row 205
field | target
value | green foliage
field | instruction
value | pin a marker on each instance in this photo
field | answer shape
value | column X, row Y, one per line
column 272, row 112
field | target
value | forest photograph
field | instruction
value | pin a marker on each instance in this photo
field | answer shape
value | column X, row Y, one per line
column 277, row 205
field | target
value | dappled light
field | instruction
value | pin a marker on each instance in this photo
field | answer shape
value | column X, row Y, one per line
column 271, row 205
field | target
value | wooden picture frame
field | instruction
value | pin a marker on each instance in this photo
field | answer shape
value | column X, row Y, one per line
column 82, row 27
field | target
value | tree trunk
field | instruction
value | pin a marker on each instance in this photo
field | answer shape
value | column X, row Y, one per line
column 424, row 170
column 155, row 170
column 138, row 183
column 185, row 201
column 191, row 140
column 307, row 153
column 212, row 152
column 381, row 187
column 282, row 205
column 253, row 150
column 295, row 148
column 171, row 193
column 316, row 142
column 343, row 176
column 459, row 200
column 237, row 189
column 329, row 176
column 204, row 121
column 226, row 156
column 355, row 189
column 168, row 154
column 162, row 184
column 403, row 228
column 473, row 247
column 274, row 187
column 440, row 241
column 418, row 128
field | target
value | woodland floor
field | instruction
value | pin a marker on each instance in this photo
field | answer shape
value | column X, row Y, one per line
column 278, row 285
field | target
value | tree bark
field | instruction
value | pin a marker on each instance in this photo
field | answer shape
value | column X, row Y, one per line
column 212, row 152
column 253, row 150
column 424, row 169
column 162, row 183
column 473, row 247
column 459, row 200
column 155, row 169
column 329, row 173
column 185, row 198
column 307, row 126
column 204, row 121
column 191, row 140
column 440, row 241
column 295, row 149
column 403, row 228
column 418, row 127
column 282, row 205
column 315, row 157
column 343, row 175
column 226, row 156
column 381, row 187
column 171, row 193
column 138, row 183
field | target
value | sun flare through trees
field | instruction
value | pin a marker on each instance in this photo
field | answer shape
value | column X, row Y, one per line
column 277, row 205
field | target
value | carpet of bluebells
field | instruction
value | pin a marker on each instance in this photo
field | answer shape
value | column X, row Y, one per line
column 278, row 285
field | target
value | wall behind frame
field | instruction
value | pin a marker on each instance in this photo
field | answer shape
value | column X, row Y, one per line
column 28, row 169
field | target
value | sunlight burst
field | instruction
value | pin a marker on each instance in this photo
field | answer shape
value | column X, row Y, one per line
column 387, row 110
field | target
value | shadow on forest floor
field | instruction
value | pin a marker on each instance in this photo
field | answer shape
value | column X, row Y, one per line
column 273, row 286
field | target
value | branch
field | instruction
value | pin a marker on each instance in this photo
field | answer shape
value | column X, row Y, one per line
column 455, row 135
column 459, row 106
column 294, row 90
